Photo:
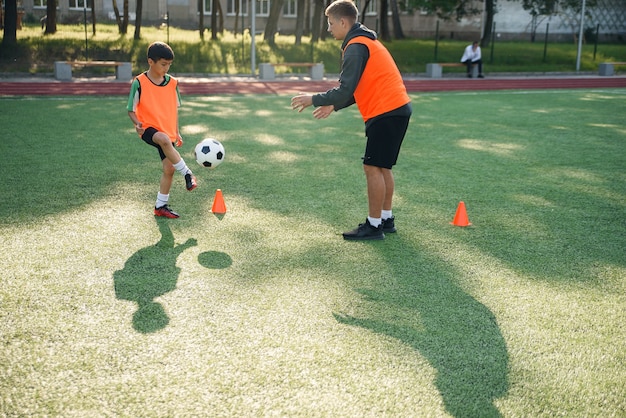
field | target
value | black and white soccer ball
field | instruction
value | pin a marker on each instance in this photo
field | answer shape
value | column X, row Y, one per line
column 209, row 153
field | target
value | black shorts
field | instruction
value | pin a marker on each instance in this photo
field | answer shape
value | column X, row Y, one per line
column 147, row 136
column 384, row 138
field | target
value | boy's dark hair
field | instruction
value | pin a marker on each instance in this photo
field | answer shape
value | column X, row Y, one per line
column 343, row 8
column 158, row 50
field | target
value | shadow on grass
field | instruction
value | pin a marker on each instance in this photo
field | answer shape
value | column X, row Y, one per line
column 458, row 335
column 148, row 274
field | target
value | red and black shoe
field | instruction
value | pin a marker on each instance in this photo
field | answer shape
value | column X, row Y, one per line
column 166, row 212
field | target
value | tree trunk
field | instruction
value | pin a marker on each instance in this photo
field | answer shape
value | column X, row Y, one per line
column 214, row 20
column 384, row 24
column 125, row 19
column 237, row 11
column 118, row 20
column 93, row 17
column 10, row 23
column 138, row 13
column 316, row 21
column 395, row 15
column 272, row 22
column 51, row 19
column 324, row 22
column 365, row 6
column 489, row 12
column 300, row 5
column 200, row 18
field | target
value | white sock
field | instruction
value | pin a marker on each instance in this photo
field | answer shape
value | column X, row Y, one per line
column 182, row 168
column 162, row 200
column 386, row 214
column 375, row 222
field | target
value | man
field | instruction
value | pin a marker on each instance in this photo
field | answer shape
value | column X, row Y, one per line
column 472, row 56
column 370, row 78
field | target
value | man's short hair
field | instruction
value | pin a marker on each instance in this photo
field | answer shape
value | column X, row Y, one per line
column 343, row 8
column 160, row 50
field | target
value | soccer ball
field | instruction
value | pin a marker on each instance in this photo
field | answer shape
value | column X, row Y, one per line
column 209, row 153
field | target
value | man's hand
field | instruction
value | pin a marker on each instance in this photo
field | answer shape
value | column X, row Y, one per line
column 323, row 112
column 301, row 102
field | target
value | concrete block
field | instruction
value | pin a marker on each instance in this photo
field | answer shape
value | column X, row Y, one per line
column 433, row 70
column 606, row 68
column 124, row 72
column 62, row 71
column 266, row 71
column 317, row 72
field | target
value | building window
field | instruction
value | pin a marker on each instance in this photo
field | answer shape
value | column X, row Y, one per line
column 207, row 6
column 243, row 7
column 372, row 7
column 80, row 4
column 40, row 4
column 262, row 7
column 290, row 8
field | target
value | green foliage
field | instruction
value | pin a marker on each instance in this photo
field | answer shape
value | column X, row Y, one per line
column 36, row 53
column 106, row 310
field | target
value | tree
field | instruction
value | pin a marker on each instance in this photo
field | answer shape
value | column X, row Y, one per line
column 200, row 18
column 51, row 17
column 539, row 9
column 93, row 17
column 395, row 16
column 448, row 9
column 300, row 6
column 271, row 27
column 10, row 23
column 384, row 24
column 138, row 12
column 122, row 21
column 490, row 9
column 316, row 20
column 216, row 9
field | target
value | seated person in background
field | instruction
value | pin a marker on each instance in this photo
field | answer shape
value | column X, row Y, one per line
column 473, row 56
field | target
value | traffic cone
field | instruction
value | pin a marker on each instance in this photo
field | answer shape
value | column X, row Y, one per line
column 218, row 203
column 460, row 219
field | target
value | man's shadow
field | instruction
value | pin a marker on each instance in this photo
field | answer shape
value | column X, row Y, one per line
column 148, row 274
column 458, row 335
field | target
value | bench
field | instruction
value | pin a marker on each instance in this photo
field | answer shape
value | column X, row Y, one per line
column 266, row 70
column 63, row 69
column 608, row 68
column 433, row 70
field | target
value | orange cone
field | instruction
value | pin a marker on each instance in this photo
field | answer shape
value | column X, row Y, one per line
column 460, row 219
column 218, row 203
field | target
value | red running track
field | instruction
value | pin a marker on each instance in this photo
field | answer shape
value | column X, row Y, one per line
column 187, row 87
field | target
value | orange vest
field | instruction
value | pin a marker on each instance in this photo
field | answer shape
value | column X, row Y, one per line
column 158, row 106
column 381, row 88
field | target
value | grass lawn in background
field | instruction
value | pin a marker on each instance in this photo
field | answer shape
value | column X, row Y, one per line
column 266, row 310
column 230, row 54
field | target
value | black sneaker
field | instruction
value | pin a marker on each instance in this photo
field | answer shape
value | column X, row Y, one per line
column 389, row 226
column 190, row 181
column 365, row 231
column 481, row 76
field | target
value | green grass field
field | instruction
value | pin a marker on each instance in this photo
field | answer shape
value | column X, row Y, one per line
column 266, row 311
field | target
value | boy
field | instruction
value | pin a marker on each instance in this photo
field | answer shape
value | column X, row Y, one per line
column 153, row 107
column 370, row 78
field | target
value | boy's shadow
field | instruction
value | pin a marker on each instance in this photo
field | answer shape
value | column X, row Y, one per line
column 148, row 274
